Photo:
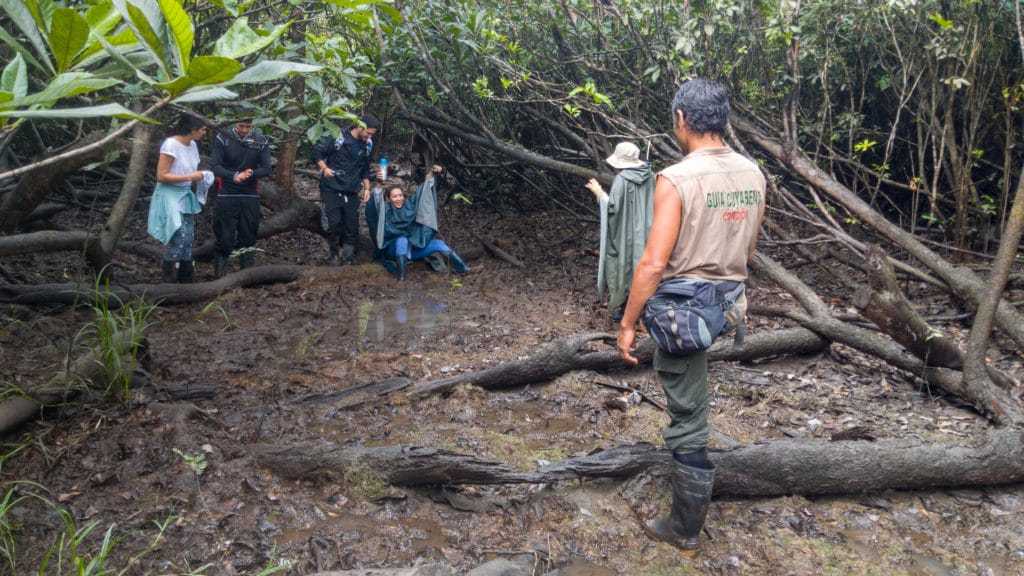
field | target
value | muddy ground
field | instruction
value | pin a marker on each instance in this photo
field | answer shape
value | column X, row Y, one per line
column 142, row 466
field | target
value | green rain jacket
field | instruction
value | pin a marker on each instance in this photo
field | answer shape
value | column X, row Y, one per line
column 628, row 211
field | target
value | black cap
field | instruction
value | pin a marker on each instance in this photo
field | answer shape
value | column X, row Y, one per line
column 370, row 121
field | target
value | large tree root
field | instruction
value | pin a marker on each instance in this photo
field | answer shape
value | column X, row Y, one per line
column 772, row 468
column 567, row 354
column 85, row 371
column 72, row 294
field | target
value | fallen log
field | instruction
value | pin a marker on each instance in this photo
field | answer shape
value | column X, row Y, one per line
column 163, row 294
column 491, row 246
column 990, row 400
column 87, row 371
column 566, row 354
column 883, row 302
column 810, row 467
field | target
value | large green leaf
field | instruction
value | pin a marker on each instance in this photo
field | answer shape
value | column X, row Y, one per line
column 180, row 26
column 205, row 94
column 14, row 79
column 145, row 30
column 270, row 70
column 204, row 70
column 103, row 110
column 102, row 17
column 20, row 49
column 240, row 40
column 114, row 45
column 24, row 19
column 68, row 34
column 63, row 86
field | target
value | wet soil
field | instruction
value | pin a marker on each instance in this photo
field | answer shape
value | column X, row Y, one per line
column 144, row 469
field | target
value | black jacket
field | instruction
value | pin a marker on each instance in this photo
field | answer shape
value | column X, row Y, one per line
column 232, row 155
column 348, row 157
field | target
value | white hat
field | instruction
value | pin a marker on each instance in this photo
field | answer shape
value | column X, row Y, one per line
column 626, row 155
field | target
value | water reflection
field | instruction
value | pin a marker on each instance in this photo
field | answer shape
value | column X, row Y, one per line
column 401, row 321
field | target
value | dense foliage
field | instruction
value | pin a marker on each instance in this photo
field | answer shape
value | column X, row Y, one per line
column 914, row 104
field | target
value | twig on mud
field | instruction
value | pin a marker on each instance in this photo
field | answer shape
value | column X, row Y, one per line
column 602, row 381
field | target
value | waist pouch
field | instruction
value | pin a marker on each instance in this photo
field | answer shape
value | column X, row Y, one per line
column 686, row 315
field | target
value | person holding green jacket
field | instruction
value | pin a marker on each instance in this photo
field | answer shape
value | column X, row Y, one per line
column 626, row 215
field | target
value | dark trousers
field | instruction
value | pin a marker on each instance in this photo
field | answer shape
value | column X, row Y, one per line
column 340, row 218
column 236, row 223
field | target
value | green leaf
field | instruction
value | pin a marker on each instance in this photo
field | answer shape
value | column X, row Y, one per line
column 205, row 94
column 270, row 70
column 102, row 17
column 68, row 34
column 229, row 6
column 942, row 22
column 180, row 26
column 204, row 70
column 14, row 79
column 20, row 49
column 63, row 86
column 125, row 49
column 864, row 145
column 104, row 110
column 142, row 25
column 25, row 19
column 241, row 40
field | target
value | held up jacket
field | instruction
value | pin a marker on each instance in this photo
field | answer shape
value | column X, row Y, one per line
column 232, row 154
column 348, row 157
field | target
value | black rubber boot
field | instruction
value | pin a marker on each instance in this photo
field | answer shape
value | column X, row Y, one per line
column 220, row 265
column 458, row 266
column 691, row 498
column 186, row 271
column 403, row 261
column 169, row 276
column 247, row 260
column 348, row 254
column 334, row 260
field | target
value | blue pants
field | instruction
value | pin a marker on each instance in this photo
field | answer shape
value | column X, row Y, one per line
column 179, row 249
column 401, row 246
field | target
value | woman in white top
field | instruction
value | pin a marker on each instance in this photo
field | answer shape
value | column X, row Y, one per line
column 174, row 205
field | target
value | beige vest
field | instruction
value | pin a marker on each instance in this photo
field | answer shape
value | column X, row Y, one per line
column 723, row 201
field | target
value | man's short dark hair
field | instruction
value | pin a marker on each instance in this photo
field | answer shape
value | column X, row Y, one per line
column 704, row 104
column 370, row 121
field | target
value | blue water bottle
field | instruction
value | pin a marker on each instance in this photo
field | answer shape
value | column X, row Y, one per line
column 383, row 169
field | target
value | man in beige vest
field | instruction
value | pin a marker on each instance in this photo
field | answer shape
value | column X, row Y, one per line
column 707, row 213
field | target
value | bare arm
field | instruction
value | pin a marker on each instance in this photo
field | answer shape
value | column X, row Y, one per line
column 163, row 167
column 660, row 242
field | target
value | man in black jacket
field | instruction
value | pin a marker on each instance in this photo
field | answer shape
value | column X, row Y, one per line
column 344, row 164
column 240, row 158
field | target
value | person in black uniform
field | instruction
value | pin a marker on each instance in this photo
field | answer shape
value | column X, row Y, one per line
column 240, row 158
column 344, row 164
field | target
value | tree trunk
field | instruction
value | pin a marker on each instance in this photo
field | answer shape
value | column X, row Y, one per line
column 882, row 301
column 101, row 249
column 566, row 354
column 770, row 468
column 87, row 370
column 964, row 283
column 988, row 400
column 163, row 294
column 35, row 185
